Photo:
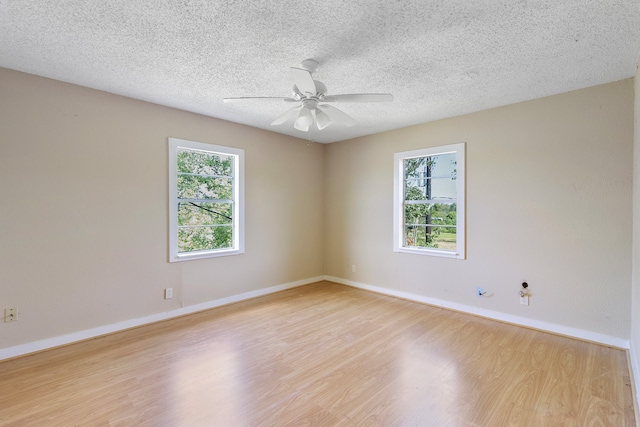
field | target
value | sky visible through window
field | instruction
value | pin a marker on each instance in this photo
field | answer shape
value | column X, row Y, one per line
column 443, row 173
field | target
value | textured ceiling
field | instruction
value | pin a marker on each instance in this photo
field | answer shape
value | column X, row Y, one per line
column 439, row 58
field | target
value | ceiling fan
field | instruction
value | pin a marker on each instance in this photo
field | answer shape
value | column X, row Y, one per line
column 312, row 99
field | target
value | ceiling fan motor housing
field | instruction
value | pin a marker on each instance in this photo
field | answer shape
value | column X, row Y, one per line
column 310, row 103
column 321, row 91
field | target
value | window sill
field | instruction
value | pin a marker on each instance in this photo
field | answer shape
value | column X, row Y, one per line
column 430, row 252
column 204, row 254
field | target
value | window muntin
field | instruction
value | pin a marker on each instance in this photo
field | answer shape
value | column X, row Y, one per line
column 429, row 201
column 206, row 194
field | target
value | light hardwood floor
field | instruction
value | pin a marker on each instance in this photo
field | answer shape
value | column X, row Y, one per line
column 326, row 355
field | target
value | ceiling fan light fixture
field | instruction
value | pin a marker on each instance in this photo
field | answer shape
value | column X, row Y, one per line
column 322, row 119
column 304, row 120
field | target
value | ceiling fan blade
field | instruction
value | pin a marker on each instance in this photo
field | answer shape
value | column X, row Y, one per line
column 303, row 80
column 322, row 119
column 259, row 98
column 289, row 114
column 337, row 116
column 304, row 120
column 360, row 97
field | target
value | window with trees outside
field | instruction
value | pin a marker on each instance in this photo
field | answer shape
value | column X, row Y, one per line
column 206, row 197
column 429, row 201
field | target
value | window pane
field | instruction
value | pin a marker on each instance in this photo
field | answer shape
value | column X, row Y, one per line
column 446, row 239
column 414, row 168
column 204, row 163
column 433, row 236
column 443, row 165
column 199, row 187
column 431, row 177
column 415, row 190
column 417, row 214
column 430, row 214
column 204, row 238
column 443, row 213
column 191, row 214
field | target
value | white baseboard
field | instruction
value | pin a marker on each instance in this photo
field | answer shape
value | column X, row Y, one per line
column 495, row 315
column 32, row 347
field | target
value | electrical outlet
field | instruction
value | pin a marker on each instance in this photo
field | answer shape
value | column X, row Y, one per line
column 168, row 293
column 10, row 315
column 480, row 292
column 353, row 268
column 524, row 300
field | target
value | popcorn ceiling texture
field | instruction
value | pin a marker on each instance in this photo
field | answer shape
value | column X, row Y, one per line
column 438, row 58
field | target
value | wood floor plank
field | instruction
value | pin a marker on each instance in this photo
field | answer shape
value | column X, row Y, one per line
column 325, row 355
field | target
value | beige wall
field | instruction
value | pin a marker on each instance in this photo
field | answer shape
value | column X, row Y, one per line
column 83, row 218
column 635, row 298
column 549, row 201
column 83, row 223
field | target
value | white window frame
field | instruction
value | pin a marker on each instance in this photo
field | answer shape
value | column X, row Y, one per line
column 398, row 201
column 237, row 202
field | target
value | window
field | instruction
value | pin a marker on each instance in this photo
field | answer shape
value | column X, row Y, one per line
column 206, row 197
column 428, row 206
